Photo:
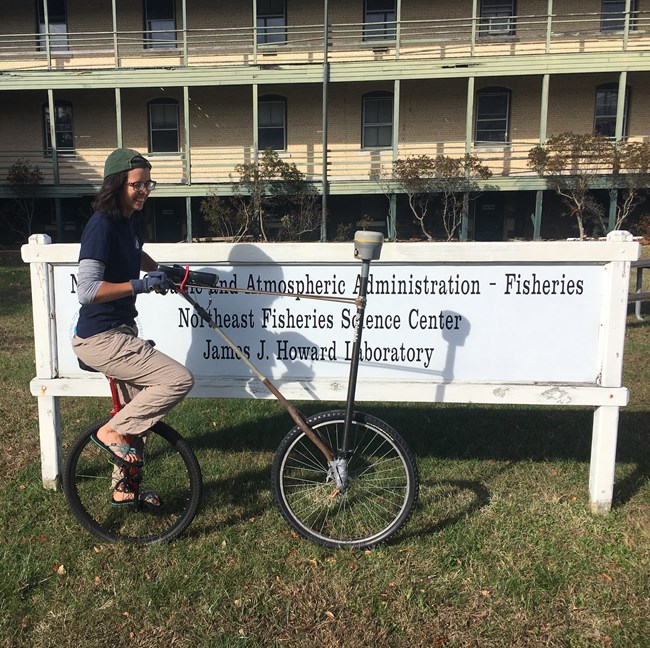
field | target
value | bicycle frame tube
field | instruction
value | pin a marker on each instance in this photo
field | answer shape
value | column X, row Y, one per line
column 354, row 363
column 117, row 403
column 293, row 411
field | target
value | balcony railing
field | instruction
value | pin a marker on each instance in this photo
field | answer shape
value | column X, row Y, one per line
column 437, row 39
column 217, row 166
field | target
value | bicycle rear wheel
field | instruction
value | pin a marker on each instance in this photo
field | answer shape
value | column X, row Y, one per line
column 171, row 470
column 382, row 482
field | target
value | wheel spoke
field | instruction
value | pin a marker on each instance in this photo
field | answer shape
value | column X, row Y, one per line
column 378, row 499
column 170, row 471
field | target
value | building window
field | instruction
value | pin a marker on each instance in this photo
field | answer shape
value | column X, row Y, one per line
column 377, row 119
column 379, row 20
column 497, row 18
column 163, row 126
column 605, row 111
column 58, row 24
column 272, row 123
column 63, row 127
column 159, row 24
column 492, row 115
column 613, row 15
column 271, row 22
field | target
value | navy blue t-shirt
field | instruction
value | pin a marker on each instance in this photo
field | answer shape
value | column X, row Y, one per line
column 117, row 244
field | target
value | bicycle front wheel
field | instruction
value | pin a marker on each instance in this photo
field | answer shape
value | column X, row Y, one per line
column 381, row 490
column 171, row 471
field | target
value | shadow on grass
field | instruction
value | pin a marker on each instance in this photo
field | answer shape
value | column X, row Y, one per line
column 448, row 432
column 507, row 434
column 241, row 492
column 481, row 498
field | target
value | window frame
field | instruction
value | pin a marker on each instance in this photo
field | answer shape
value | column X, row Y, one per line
column 163, row 102
column 58, row 27
column 614, row 21
column 272, row 99
column 377, row 96
column 388, row 29
column 611, row 117
column 486, row 29
column 159, row 41
column 269, row 35
column 58, row 130
column 492, row 91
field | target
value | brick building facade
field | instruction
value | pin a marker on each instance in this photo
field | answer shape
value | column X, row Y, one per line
column 200, row 87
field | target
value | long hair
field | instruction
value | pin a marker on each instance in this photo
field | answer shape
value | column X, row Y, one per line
column 108, row 198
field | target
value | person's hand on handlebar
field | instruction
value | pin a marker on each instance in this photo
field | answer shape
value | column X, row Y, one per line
column 153, row 281
column 181, row 275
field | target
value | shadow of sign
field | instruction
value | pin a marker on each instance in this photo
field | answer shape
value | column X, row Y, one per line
column 266, row 328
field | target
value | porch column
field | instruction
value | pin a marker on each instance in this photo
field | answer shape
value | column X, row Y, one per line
column 543, row 119
column 326, row 77
column 254, row 32
column 46, row 26
column 187, row 162
column 52, row 120
column 469, row 130
column 185, row 44
column 398, row 27
column 626, row 28
column 255, row 122
column 474, row 25
column 391, row 225
column 549, row 25
column 116, row 55
column 118, row 117
column 618, row 134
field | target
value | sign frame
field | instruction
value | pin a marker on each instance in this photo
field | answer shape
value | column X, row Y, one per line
column 613, row 256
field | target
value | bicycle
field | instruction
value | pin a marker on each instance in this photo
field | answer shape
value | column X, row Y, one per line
column 172, row 471
column 340, row 478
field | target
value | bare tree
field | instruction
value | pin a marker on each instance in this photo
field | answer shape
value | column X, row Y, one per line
column 573, row 165
column 422, row 177
column 629, row 180
column 269, row 191
column 22, row 177
column 223, row 219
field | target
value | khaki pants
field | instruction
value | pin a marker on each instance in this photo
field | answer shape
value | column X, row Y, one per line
column 150, row 382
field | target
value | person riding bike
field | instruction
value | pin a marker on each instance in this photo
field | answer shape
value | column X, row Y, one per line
column 106, row 339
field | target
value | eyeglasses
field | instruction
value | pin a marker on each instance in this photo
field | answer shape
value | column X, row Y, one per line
column 150, row 185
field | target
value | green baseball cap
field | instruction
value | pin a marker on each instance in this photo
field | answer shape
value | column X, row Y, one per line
column 124, row 159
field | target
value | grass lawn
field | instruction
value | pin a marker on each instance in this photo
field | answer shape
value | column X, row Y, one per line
column 502, row 550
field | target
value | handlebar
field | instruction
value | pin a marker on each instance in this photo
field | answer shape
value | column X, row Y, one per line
column 176, row 274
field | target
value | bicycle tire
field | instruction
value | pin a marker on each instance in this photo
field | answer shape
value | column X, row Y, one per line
column 383, row 482
column 170, row 469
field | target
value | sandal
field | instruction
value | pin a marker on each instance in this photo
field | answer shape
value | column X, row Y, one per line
column 129, row 485
column 124, row 451
column 150, row 499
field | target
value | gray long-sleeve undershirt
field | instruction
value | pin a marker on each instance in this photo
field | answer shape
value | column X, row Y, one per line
column 89, row 278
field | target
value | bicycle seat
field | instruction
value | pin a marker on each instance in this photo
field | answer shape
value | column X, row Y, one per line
column 86, row 367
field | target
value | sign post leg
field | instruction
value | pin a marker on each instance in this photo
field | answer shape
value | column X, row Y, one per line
column 49, row 420
column 49, row 424
column 603, row 459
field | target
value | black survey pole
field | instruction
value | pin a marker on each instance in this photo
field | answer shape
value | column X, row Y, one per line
column 356, row 347
column 367, row 246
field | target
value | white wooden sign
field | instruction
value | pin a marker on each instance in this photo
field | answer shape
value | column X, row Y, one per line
column 434, row 323
column 534, row 323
